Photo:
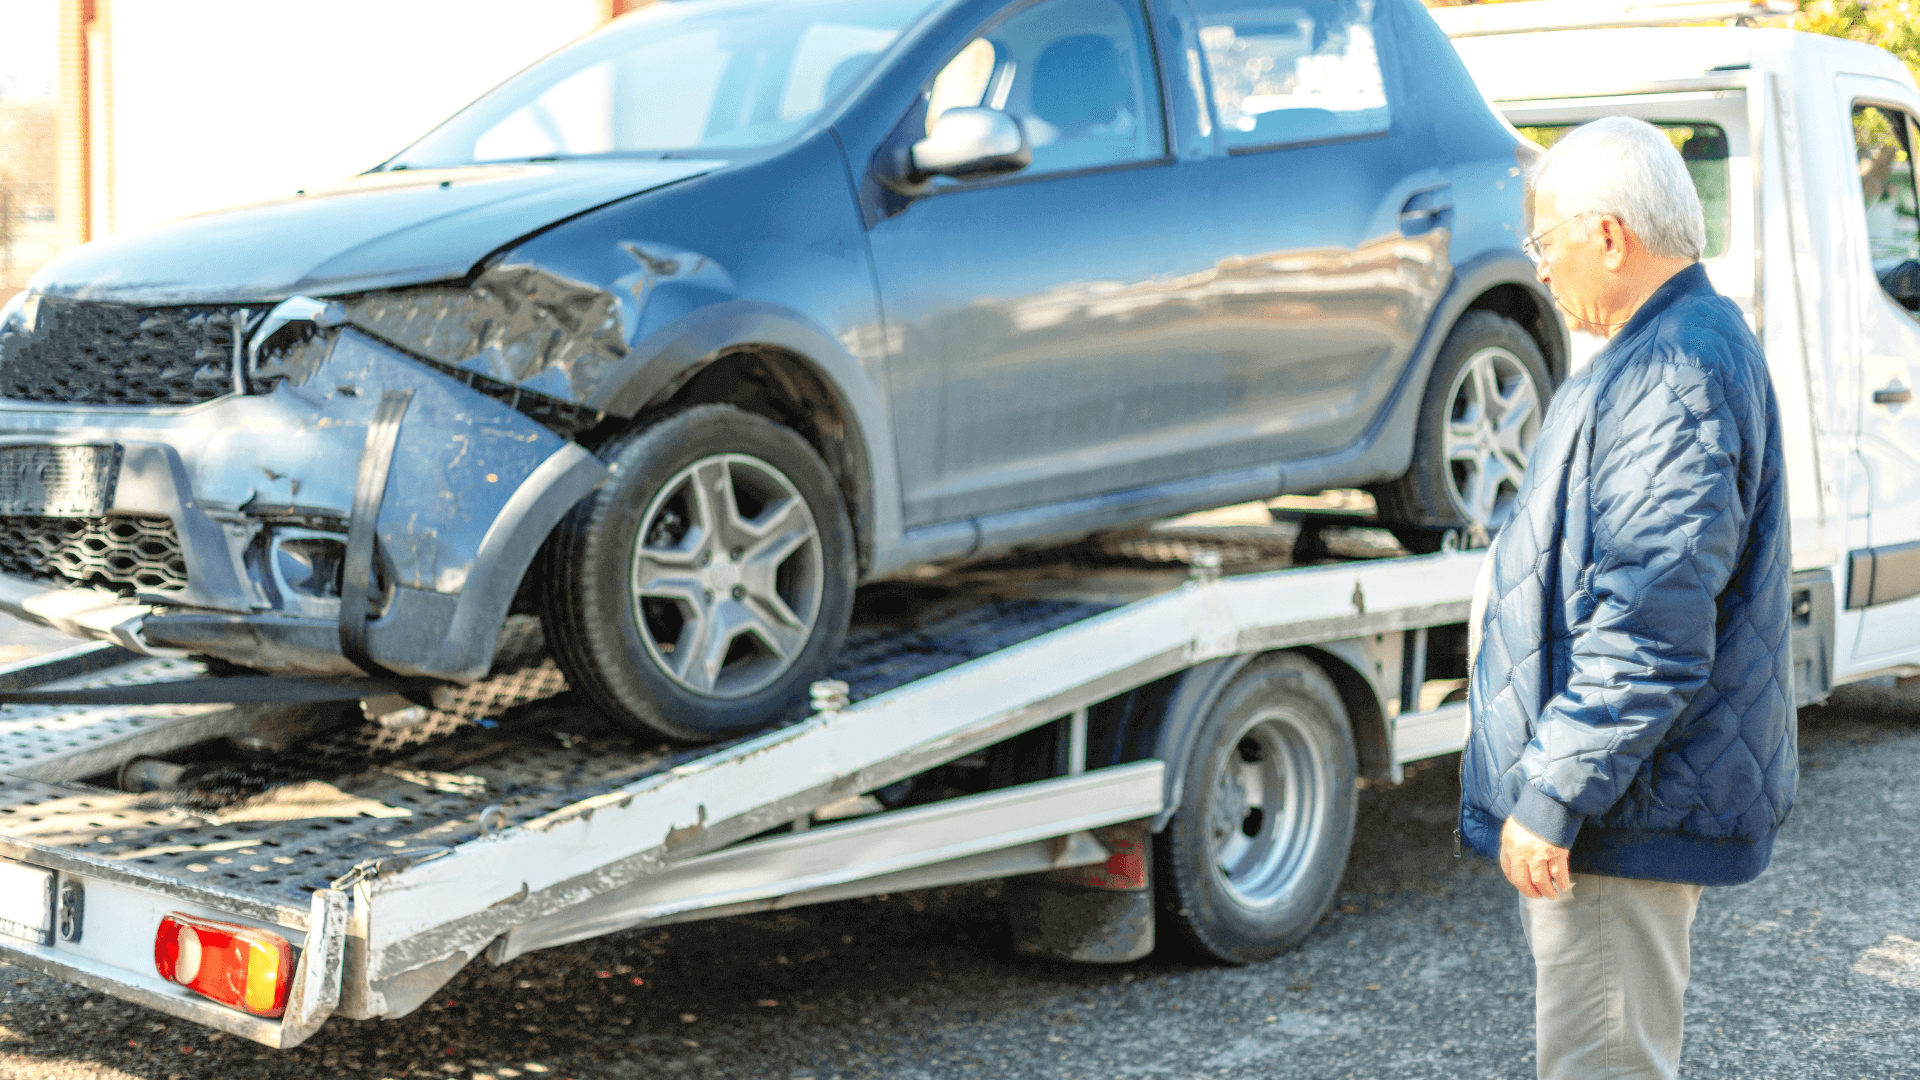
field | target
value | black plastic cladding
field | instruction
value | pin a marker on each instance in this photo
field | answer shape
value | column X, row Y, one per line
column 87, row 353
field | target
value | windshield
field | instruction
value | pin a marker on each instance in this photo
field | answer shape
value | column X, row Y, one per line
column 693, row 75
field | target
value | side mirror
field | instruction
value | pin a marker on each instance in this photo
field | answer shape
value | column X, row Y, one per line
column 1903, row 284
column 972, row 142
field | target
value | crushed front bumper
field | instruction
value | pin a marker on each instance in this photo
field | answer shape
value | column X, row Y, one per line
column 259, row 490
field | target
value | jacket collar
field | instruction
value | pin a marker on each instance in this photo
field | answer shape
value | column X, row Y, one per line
column 1692, row 279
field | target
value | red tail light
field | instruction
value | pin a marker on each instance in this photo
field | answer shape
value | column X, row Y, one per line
column 1126, row 867
column 241, row 966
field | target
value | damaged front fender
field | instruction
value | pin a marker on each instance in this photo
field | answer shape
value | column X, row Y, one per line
column 532, row 328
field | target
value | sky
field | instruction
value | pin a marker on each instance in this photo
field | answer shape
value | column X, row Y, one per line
column 28, row 34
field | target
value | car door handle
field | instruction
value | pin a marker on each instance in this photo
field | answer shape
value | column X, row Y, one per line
column 1422, row 212
column 1432, row 202
column 1892, row 395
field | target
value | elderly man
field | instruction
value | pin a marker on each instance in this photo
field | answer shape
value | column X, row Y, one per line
column 1633, row 719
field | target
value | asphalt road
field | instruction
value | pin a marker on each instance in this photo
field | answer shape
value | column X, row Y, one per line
column 1813, row 971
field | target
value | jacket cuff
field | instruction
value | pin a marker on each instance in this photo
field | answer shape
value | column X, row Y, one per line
column 1547, row 818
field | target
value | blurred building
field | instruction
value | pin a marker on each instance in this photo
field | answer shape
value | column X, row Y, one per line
column 168, row 107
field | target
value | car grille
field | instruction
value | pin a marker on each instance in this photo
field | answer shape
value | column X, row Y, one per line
column 123, row 555
column 87, row 353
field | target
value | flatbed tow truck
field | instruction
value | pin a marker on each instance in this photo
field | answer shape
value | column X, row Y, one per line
column 1040, row 716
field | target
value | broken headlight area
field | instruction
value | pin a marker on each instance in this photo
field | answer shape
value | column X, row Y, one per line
column 516, row 325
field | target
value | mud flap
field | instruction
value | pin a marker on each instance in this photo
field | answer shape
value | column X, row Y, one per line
column 1102, row 914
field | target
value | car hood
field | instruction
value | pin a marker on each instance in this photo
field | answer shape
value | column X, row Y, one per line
column 374, row 231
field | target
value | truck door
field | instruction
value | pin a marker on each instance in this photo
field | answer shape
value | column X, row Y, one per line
column 1883, row 579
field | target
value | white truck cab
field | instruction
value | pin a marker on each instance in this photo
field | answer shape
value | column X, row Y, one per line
column 1801, row 146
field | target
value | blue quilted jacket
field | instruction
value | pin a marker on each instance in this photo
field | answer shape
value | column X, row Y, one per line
column 1631, row 695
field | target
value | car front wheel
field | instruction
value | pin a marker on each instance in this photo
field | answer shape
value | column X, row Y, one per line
column 708, row 582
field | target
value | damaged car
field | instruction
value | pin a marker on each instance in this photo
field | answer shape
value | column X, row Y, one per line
column 684, row 332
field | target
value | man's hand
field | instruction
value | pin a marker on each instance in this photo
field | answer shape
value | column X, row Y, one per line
column 1535, row 867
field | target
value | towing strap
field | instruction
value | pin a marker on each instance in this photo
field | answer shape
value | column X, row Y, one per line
column 228, row 690
column 356, row 577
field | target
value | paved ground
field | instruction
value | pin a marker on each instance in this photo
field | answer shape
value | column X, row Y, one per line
column 1814, row 971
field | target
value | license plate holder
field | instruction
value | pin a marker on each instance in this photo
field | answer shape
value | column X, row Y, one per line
column 58, row 481
column 26, row 902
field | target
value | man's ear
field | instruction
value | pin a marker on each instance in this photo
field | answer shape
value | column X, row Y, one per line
column 1614, row 240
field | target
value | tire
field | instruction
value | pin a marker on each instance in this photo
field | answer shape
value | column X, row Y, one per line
column 756, row 600
column 1242, row 890
column 1468, row 460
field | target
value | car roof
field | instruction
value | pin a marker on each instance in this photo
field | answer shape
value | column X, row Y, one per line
column 1582, row 63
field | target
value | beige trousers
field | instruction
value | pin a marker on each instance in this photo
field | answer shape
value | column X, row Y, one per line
column 1611, row 960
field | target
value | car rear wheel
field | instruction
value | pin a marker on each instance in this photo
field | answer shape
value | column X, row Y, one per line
column 1478, row 423
column 1254, row 852
column 708, row 582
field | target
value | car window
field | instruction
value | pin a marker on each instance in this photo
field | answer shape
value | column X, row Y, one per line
column 1078, row 74
column 717, row 74
column 1704, row 148
column 1882, row 144
column 1293, row 70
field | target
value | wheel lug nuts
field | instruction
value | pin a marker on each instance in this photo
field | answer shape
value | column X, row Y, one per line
column 736, row 553
column 739, row 592
column 709, row 593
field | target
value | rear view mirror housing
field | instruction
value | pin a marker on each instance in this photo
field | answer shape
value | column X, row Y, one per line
column 971, row 142
column 1903, row 284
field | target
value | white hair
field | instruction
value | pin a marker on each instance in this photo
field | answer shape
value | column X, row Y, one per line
column 1627, row 168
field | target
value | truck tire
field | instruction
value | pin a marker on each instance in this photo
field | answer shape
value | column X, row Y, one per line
column 1478, row 421
column 1253, row 855
column 702, row 589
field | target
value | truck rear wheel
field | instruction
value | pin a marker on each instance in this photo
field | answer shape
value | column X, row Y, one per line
column 1478, row 422
column 1254, row 853
column 702, row 589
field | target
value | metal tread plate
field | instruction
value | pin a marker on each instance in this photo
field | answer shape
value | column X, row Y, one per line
column 30, row 734
column 278, row 829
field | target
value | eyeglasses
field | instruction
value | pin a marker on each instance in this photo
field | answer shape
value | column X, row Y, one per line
column 1531, row 245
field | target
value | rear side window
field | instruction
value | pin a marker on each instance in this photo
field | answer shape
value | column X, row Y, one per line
column 1883, row 153
column 1704, row 148
column 1293, row 71
column 1079, row 75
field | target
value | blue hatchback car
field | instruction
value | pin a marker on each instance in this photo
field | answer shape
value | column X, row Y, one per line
column 685, row 331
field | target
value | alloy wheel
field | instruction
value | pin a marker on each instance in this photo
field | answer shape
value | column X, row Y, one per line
column 1492, row 423
column 727, row 576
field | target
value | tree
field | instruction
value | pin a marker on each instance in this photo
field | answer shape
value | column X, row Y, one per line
column 1894, row 25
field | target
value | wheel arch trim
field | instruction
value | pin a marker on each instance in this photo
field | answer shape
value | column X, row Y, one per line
column 660, row 366
column 1392, row 432
column 1200, row 687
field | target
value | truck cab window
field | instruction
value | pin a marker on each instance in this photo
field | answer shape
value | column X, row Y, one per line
column 1704, row 149
column 1882, row 140
column 1078, row 74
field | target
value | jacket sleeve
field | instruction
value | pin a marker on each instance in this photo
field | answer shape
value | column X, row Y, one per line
column 1666, row 522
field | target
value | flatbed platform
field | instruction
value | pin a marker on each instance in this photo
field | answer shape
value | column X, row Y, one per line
column 511, row 816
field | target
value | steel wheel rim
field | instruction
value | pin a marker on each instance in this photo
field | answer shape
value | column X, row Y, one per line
column 728, row 571
column 1269, row 811
column 1493, row 420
